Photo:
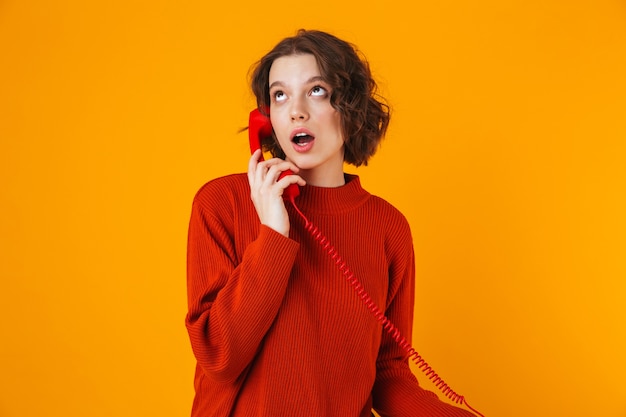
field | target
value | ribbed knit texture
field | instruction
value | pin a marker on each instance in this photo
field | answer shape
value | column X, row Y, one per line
column 275, row 327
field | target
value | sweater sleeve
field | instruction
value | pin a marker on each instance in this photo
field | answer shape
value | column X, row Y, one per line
column 397, row 392
column 232, row 303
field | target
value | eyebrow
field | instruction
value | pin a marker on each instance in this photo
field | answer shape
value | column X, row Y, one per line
column 309, row 81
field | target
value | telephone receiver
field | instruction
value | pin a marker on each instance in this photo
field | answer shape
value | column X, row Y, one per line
column 259, row 128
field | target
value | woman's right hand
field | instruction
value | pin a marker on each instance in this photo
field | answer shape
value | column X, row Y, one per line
column 266, row 190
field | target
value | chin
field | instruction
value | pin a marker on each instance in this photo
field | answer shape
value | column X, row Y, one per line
column 304, row 165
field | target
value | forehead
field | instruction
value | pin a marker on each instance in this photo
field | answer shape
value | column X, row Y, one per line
column 291, row 68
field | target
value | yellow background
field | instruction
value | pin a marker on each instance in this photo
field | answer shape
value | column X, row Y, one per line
column 507, row 153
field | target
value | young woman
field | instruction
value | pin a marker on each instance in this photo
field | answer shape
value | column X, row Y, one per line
column 276, row 328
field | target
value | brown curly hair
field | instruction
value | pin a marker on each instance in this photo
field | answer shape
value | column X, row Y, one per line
column 364, row 114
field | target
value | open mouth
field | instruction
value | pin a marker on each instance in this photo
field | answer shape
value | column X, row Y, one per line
column 302, row 139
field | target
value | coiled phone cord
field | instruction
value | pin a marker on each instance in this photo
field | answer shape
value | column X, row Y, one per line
column 380, row 315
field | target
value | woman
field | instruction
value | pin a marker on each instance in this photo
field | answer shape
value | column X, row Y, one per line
column 275, row 327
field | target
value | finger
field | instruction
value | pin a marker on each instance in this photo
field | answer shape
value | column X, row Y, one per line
column 259, row 173
column 287, row 180
column 253, row 165
column 265, row 174
column 276, row 167
column 277, row 184
column 282, row 165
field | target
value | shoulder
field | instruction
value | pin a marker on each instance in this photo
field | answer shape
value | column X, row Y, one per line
column 394, row 228
column 385, row 207
column 393, row 218
column 223, row 187
column 223, row 195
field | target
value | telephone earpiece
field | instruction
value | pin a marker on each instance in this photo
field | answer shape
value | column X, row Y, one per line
column 260, row 127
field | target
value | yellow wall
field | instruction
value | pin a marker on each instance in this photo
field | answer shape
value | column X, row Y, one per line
column 507, row 154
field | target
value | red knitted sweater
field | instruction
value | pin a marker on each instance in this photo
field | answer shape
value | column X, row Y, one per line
column 275, row 327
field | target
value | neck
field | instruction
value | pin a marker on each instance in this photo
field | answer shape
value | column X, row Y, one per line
column 321, row 179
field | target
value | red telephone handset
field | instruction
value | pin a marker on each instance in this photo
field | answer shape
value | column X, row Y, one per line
column 259, row 127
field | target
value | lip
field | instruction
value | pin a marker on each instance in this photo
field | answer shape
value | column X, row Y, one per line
column 302, row 148
column 299, row 130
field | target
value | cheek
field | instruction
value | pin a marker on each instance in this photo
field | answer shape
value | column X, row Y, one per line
column 331, row 119
column 273, row 117
column 279, row 130
column 282, row 137
column 338, row 126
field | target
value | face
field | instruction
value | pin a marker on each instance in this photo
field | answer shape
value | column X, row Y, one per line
column 307, row 127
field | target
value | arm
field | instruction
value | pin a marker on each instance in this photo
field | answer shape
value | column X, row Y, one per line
column 232, row 304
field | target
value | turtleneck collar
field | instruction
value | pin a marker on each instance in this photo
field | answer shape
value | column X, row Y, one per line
column 332, row 200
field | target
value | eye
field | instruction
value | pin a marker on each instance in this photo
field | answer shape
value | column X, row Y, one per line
column 279, row 96
column 318, row 91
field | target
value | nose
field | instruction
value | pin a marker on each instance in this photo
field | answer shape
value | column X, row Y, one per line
column 299, row 111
